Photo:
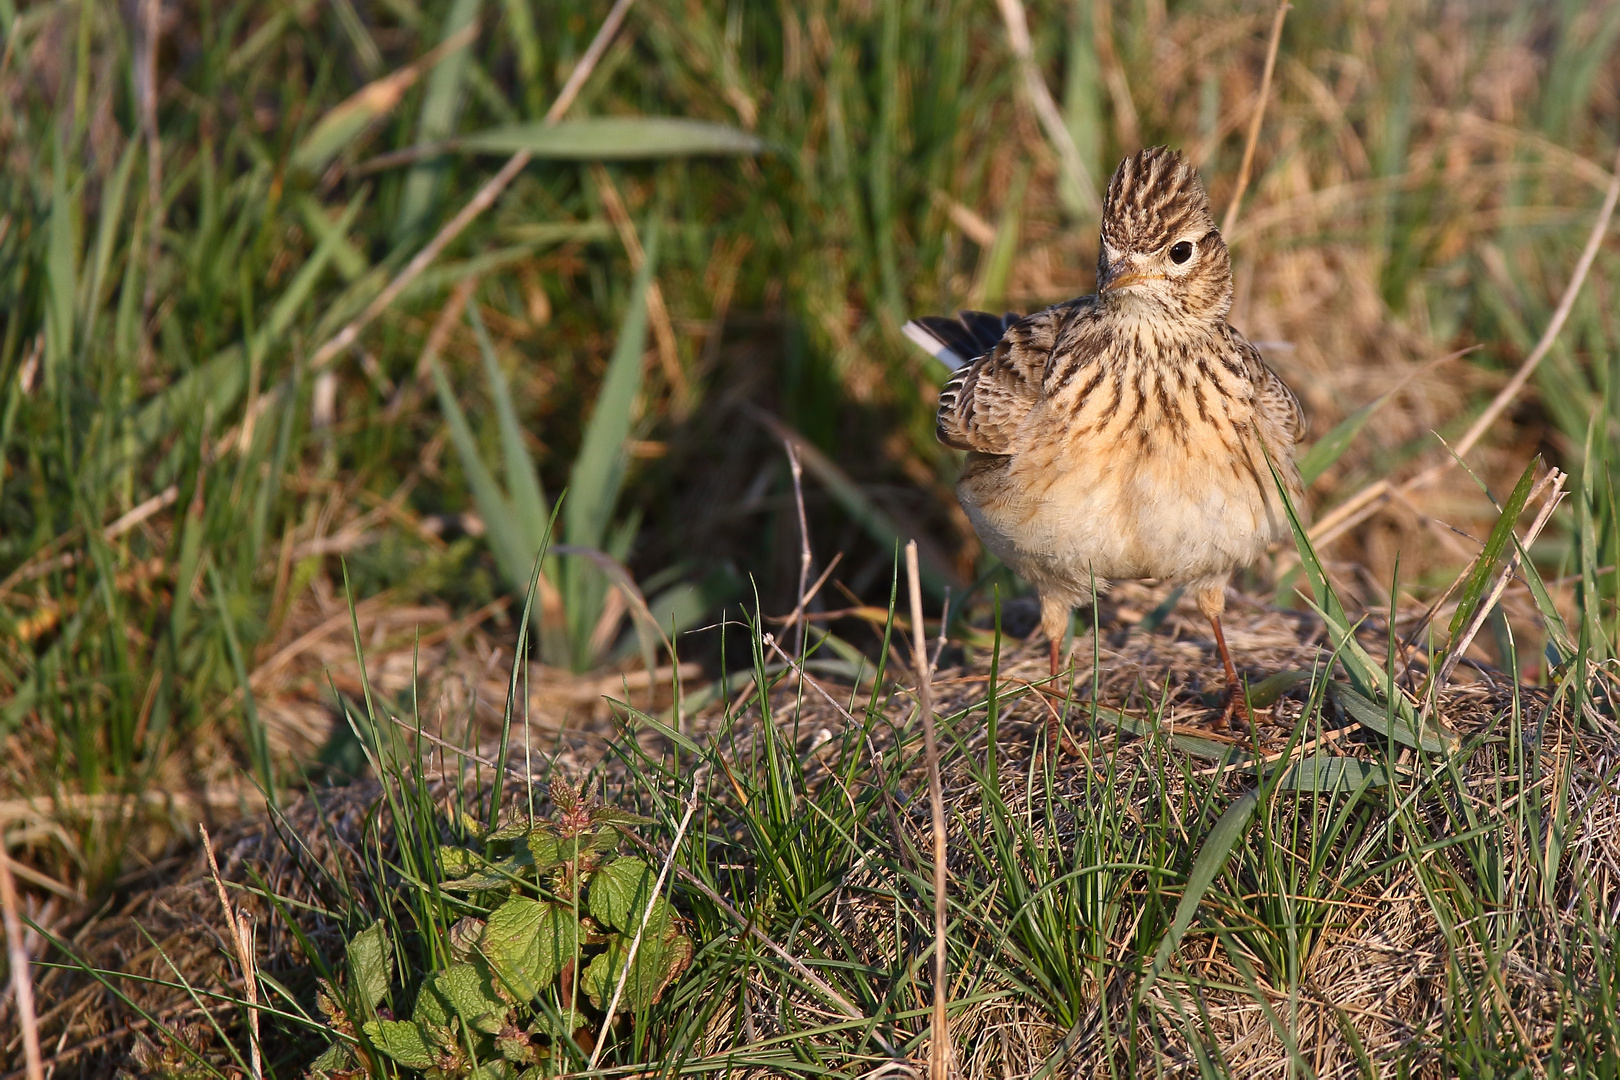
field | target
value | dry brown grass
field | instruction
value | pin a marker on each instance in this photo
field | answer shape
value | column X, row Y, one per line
column 1378, row 984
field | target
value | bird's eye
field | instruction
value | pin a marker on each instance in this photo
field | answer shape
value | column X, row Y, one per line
column 1181, row 252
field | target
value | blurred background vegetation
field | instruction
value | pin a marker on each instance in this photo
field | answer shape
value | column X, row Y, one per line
column 196, row 196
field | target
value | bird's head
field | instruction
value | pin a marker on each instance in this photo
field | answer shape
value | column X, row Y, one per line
column 1160, row 246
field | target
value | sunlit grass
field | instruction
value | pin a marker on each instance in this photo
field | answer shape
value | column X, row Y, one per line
column 183, row 494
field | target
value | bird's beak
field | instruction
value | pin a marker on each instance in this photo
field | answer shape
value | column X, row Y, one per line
column 1122, row 275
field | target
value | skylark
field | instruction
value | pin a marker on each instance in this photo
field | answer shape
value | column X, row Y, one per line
column 1130, row 434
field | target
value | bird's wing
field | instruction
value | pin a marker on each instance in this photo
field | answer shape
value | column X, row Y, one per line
column 959, row 341
column 1277, row 403
column 983, row 405
column 1280, row 404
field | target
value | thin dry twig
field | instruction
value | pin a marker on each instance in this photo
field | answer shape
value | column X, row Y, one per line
column 797, row 470
column 1254, row 123
column 939, row 1044
column 481, row 201
column 1046, row 108
column 242, row 942
column 646, row 916
column 1359, row 507
column 22, row 981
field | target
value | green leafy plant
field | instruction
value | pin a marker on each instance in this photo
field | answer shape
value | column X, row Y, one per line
column 554, row 911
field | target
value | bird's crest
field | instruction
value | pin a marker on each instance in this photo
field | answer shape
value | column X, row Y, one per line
column 1154, row 196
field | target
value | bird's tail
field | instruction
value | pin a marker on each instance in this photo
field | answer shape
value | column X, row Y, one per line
column 959, row 341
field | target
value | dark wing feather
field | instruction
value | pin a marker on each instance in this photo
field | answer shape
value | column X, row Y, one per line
column 986, row 329
column 968, row 336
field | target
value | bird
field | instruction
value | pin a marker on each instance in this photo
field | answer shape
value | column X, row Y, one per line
column 1129, row 434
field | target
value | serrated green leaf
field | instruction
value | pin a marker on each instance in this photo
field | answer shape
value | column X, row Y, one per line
column 612, row 815
column 469, row 823
column 495, row 875
column 401, row 1040
column 527, row 942
column 620, row 893
column 471, row 995
column 545, row 850
column 456, row 862
column 659, row 959
column 464, row 935
column 371, row 963
column 520, row 825
column 557, row 1025
column 441, row 106
column 335, row 1058
column 431, row 1010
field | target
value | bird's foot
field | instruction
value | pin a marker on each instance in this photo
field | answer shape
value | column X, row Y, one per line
column 1058, row 742
column 1236, row 716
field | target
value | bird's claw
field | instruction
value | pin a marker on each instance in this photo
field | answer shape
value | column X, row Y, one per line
column 1237, row 715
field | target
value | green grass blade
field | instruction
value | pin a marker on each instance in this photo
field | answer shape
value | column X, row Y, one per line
column 302, row 286
column 1590, row 596
column 1557, row 629
column 520, row 29
column 611, row 138
column 598, row 472
column 1330, row 447
column 1212, row 857
column 1473, row 590
column 350, row 118
column 1403, row 727
column 1207, row 749
column 1333, row 775
column 62, row 269
column 996, row 263
column 1369, row 677
column 111, row 219
column 258, row 746
column 441, row 103
column 1083, row 95
column 351, row 262
column 211, row 388
column 501, row 523
column 522, row 477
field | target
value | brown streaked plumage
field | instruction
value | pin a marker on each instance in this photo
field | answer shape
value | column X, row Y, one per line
column 1130, row 434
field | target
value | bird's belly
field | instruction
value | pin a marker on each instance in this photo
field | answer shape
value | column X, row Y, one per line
column 1096, row 509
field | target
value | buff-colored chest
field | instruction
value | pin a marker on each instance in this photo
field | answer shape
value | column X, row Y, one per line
column 1138, row 471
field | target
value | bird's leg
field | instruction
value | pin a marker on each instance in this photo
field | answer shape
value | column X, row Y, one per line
column 1055, row 620
column 1055, row 738
column 1237, row 710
